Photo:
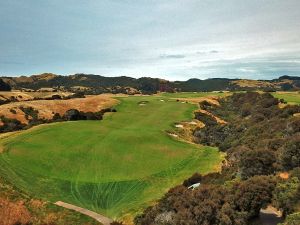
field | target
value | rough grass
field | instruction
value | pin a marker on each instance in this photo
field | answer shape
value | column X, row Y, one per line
column 290, row 97
column 195, row 94
column 253, row 83
column 116, row 166
column 18, row 207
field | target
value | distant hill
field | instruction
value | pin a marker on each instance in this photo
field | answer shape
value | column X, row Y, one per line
column 4, row 86
column 214, row 84
column 95, row 84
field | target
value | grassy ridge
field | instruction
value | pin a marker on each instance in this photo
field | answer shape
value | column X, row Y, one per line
column 194, row 94
column 290, row 97
column 115, row 166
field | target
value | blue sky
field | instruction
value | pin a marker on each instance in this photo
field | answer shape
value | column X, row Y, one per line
column 174, row 39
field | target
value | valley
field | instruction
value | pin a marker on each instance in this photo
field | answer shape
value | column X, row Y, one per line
column 116, row 166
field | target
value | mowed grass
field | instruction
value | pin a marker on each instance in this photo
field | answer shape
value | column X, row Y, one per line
column 195, row 94
column 290, row 97
column 116, row 166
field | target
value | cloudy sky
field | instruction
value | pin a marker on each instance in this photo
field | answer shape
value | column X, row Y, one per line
column 173, row 39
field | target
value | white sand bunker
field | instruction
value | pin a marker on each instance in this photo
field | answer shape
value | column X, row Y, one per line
column 142, row 103
column 173, row 135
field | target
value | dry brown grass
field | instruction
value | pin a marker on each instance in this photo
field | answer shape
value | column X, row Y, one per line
column 253, row 83
column 31, row 79
column 18, row 208
column 211, row 100
column 219, row 120
column 27, row 96
column 37, row 204
column 38, row 212
column 186, row 132
column 20, row 96
column 260, row 84
column 47, row 108
column 13, row 212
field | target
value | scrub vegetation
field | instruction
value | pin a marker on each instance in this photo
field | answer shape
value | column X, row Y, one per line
column 262, row 166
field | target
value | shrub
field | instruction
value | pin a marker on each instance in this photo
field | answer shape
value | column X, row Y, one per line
column 54, row 97
column 290, row 153
column 196, row 178
column 292, row 219
column 4, row 86
column 13, row 111
column 211, row 204
column 116, row 223
column 253, row 194
column 73, row 114
column 78, row 95
column 30, row 112
column 57, row 117
column 256, row 162
column 287, row 195
column 10, row 124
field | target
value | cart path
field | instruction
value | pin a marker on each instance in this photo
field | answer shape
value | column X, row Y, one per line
column 100, row 218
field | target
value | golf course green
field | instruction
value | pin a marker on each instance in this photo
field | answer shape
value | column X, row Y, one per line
column 116, row 166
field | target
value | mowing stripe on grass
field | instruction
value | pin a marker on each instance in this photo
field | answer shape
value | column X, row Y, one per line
column 116, row 166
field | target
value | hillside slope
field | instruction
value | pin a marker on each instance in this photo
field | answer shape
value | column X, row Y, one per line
column 99, row 84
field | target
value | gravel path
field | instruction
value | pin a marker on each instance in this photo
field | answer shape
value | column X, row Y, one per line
column 100, row 218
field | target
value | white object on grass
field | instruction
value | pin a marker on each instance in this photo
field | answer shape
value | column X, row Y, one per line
column 194, row 186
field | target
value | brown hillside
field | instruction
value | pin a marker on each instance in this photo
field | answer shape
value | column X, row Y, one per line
column 47, row 108
column 26, row 96
column 260, row 84
column 24, row 79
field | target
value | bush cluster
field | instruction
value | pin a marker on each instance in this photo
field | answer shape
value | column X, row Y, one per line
column 261, row 140
column 259, row 137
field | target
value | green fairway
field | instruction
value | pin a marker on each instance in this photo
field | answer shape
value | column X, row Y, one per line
column 194, row 94
column 290, row 97
column 115, row 166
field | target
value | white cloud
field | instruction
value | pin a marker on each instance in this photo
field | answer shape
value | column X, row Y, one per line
column 171, row 39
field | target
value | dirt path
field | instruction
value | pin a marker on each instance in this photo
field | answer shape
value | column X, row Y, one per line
column 100, row 218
